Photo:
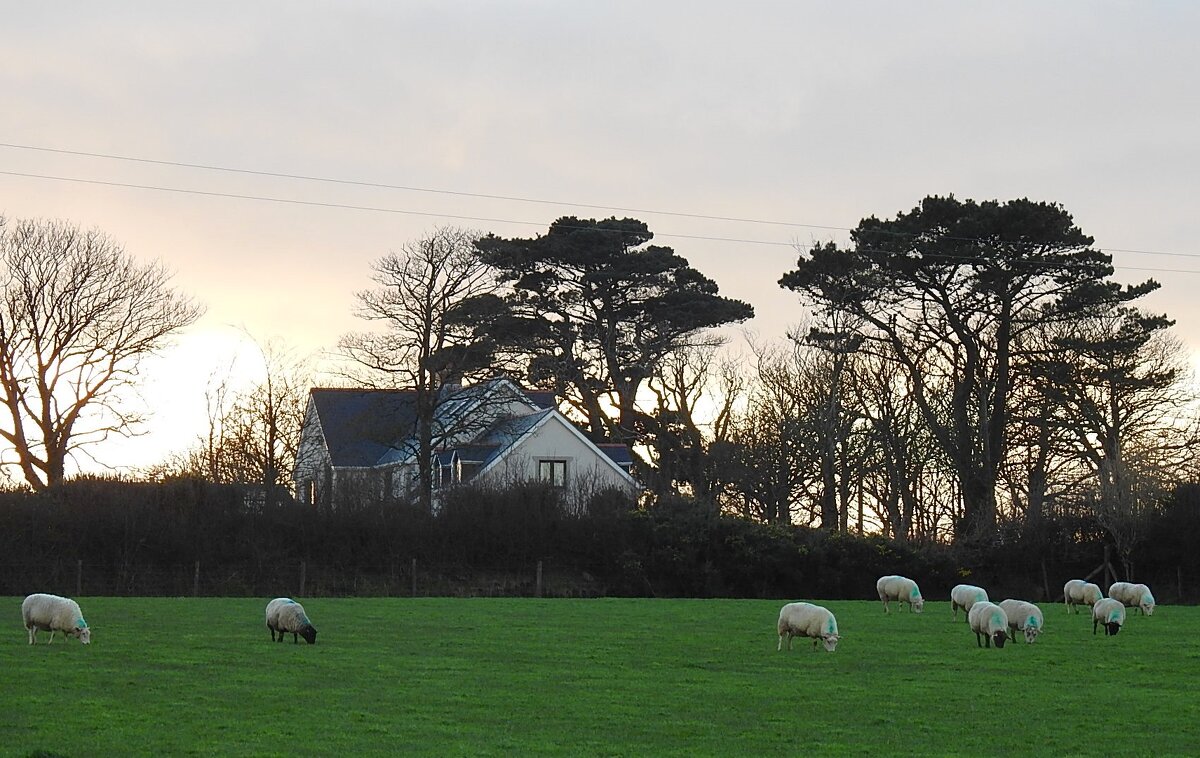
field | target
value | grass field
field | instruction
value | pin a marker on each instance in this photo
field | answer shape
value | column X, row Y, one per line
column 614, row 677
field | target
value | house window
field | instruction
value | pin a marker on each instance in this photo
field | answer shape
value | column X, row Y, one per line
column 553, row 473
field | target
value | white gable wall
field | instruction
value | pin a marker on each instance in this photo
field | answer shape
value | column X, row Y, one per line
column 588, row 469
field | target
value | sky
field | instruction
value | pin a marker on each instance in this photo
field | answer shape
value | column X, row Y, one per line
column 737, row 131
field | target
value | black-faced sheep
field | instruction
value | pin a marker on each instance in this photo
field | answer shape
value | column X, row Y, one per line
column 286, row 615
column 989, row 622
column 1109, row 613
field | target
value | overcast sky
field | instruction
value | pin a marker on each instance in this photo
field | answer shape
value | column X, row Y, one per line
column 807, row 115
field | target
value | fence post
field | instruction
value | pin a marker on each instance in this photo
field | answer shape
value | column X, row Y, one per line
column 196, row 581
column 538, row 591
column 78, row 577
column 303, row 572
column 414, row 577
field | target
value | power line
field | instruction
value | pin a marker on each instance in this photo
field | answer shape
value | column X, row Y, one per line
column 406, row 188
column 484, row 219
column 346, row 206
column 509, row 198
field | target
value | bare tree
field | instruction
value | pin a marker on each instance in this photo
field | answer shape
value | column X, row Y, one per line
column 1123, row 381
column 253, row 433
column 424, row 347
column 77, row 316
column 695, row 391
column 775, row 454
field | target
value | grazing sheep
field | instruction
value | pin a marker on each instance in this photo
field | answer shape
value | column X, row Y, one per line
column 58, row 614
column 964, row 596
column 989, row 622
column 286, row 615
column 902, row 590
column 1025, row 617
column 1078, row 592
column 1110, row 613
column 1133, row 595
column 808, row 620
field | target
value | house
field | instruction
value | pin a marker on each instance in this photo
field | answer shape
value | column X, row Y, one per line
column 359, row 445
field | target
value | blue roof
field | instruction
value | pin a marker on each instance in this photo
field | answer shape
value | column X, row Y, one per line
column 366, row 428
column 619, row 453
column 361, row 426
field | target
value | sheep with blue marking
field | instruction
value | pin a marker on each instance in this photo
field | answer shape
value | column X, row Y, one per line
column 1110, row 614
column 1137, row 596
column 964, row 596
column 1077, row 592
column 901, row 589
column 989, row 622
column 808, row 620
column 286, row 615
column 56, row 614
column 1024, row 617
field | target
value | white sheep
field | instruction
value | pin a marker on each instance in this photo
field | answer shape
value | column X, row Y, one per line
column 58, row 614
column 808, row 620
column 1025, row 617
column 964, row 596
column 989, row 622
column 1078, row 592
column 286, row 615
column 1133, row 595
column 901, row 589
column 1110, row 613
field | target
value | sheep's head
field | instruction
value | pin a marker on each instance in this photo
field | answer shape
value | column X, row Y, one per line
column 1032, row 630
column 309, row 633
column 918, row 604
column 999, row 638
column 84, row 633
column 831, row 641
column 1111, row 628
column 1147, row 605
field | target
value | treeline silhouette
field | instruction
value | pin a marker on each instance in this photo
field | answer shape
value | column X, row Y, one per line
column 184, row 537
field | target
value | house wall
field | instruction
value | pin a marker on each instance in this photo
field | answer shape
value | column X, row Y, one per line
column 587, row 471
column 312, row 476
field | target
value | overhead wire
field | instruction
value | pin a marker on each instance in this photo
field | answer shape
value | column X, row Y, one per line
column 485, row 219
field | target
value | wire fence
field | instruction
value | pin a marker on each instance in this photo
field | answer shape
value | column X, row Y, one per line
column 408, row 578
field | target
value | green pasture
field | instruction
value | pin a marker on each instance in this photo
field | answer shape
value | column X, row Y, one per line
column 611, row 677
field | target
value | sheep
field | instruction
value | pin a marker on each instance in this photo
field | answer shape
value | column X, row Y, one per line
column 1110, row 613
column 1025, row 617
column 286, row 615
column 1136, row 596
column 58, row 614
column 808, row 620
column 902, row 590
column 964, row 596
column 989, row 622
column 1079, row 592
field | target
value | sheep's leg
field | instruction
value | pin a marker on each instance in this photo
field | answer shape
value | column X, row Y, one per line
column 32, row 635
column 51, row 637
column 295, row 638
